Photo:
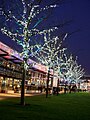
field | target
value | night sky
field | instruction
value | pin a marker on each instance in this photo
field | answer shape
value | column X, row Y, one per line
column 78, row 11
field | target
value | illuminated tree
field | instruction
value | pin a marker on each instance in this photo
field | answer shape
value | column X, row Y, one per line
column 60, row 67
column 69, row 70
column 23, row 29
column 74, row 71
column 49, row 53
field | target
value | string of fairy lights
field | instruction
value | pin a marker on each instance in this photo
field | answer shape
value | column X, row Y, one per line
column 69, row 69
column 23, row 38
column 50, row 53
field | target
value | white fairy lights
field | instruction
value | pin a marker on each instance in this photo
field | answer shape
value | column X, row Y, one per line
column 49, row 51
column 68, row 69
column 23, row 34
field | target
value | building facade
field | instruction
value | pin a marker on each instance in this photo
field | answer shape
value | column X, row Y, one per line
column 11, row 71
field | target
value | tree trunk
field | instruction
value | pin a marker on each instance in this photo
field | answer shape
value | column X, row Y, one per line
column 65, row 89
column 23, row 86
column 57, row 87
column 47, row 84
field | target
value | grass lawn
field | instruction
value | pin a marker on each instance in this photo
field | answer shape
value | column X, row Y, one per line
column 74, row 106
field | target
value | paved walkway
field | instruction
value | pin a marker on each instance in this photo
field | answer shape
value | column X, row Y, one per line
column 7, row 95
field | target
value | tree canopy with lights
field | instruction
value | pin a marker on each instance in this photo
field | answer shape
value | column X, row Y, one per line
column 22, row 27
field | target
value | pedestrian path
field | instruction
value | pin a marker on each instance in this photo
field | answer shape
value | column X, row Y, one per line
column 7, row 95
